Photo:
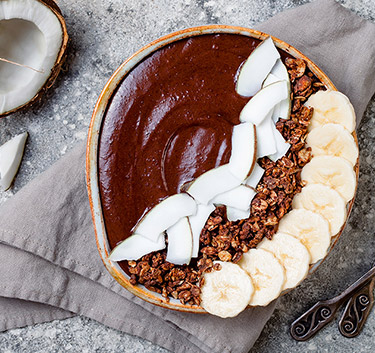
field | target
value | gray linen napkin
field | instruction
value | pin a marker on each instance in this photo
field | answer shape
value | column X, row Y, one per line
column 50, row 267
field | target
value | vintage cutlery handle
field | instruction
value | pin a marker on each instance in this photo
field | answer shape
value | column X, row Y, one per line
column 357, row 310
column 314, row 319
column 323, row 312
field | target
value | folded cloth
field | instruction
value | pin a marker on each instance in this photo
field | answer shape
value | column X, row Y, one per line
column 50, row 267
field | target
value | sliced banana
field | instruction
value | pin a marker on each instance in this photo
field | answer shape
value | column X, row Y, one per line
column 310, row 228
column 292, row 254
column 226, row 292
column 334, row 140
column 324, row 200
column 335, row 172
column 267, row 274
column 331, row 107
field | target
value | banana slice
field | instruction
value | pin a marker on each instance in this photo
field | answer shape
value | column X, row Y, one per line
column 335, row 172
column 324, row 200
column 267, row 274
column 310, row 228
column 331, row 107
column 292, row 254
column 226, row 292
column 333, row 140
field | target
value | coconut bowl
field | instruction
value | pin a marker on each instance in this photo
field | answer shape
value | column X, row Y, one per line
column 92, row 172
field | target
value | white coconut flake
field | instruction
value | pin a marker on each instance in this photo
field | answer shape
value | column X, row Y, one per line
column 283, row 108
column 271, row 78
column 197, row 222
column 266, row 144
column 255, row 176
column 136, row 246
column 180, row 242
column 11, row 154
column 165, row 214
column 234, row 214
column 256, row 68
column 281, row 145
column 243, row 150
column 257, row 109
column 276, row 113
column 212, row 183
column 239, row 197
column 280, row 71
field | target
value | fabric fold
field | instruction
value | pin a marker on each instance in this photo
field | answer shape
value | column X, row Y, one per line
column 60, row 288
column 20, row 313
column 50, row 264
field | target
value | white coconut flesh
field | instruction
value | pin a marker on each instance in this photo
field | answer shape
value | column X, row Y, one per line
column 136, row 246
column 239, row 197
column 234, row 214
column 255, row 176
column 11, row 154
column 30, row 35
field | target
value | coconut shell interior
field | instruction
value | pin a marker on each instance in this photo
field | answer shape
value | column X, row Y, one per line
column 58, row 63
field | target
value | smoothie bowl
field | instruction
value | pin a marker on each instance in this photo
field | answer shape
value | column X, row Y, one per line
column 221, row 169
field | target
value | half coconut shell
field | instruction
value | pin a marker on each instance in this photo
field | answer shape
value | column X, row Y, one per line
column 56, row 68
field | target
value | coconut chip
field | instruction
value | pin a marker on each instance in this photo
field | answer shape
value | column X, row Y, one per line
column 11, row 154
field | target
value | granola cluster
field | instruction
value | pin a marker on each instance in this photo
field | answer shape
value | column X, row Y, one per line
column 225, row 240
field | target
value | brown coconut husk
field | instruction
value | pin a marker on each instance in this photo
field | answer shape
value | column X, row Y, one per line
column 60, row 59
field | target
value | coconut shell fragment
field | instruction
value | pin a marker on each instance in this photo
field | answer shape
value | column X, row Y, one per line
column 42, row 21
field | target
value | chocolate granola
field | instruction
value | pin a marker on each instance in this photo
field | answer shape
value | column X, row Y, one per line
column 225, row 240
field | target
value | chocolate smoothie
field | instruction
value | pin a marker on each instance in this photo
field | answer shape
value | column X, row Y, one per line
column 169, row 121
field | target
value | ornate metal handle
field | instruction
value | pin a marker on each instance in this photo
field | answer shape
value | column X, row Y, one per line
column 314, row 319
column 323, row 312
column 357, row 310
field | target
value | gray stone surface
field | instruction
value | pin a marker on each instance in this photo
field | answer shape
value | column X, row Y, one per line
column 103, row 34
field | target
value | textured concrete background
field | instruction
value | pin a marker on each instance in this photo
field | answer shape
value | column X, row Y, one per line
column 103, row 34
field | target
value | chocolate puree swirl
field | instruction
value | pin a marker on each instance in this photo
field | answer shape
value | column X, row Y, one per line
column 169, row 121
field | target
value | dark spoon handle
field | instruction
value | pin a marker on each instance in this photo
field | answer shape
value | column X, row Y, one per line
column 323, row 312
column 357, row 310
